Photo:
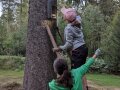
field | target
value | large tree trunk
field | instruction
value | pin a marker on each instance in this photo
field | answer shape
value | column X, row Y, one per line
column 39, row 55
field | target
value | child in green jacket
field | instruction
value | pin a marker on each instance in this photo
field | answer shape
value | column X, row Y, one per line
column 70, row 80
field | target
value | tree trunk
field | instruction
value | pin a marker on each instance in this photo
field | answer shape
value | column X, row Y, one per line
column 39, row 55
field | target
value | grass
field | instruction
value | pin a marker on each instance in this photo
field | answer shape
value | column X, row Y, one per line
column 11, row 74
column 9, row 77
column 6, row 57
column 105, row 79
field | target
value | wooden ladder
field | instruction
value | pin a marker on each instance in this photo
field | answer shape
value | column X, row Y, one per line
column 53, row 41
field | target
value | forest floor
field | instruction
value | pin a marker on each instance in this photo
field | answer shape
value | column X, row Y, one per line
column 93, row 86
column 103, row 81
column 12, row 80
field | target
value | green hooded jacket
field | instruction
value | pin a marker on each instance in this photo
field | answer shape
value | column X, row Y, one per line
column 77, row 75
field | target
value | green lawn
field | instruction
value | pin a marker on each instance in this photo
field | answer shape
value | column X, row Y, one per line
column 104, row 79
column 11, row 74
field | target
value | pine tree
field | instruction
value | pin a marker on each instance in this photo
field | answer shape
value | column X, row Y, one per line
column 93, row 26
column 111, row 44
column 109, row 7
column 39, row 55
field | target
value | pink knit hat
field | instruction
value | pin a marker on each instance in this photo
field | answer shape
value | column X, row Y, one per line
column 69, row 14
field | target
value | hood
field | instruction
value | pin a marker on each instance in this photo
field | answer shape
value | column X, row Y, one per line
column 54, row 86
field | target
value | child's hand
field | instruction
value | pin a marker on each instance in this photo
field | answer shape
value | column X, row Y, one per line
column 56, row 49
column 98, row 52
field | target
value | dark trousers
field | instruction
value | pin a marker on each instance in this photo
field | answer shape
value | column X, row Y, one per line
column 79, row 56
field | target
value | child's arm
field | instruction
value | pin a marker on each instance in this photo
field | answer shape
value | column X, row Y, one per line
column 84, row 68
column 69, row 41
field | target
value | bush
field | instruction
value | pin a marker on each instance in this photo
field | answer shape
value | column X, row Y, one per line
column 12, row 62
column 98, row 66
column 14, row 43
column 101, row 66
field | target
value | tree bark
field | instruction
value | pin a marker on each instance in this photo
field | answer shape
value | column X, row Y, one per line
column 39, row 55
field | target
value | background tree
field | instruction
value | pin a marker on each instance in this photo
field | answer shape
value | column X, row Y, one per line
column 2, row 36
column 109, row 8
column 111, row 44
column 13, row 20
column 39, row 56
column 93, row 26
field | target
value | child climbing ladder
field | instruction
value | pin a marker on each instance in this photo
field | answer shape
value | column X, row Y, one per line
column 74, row 40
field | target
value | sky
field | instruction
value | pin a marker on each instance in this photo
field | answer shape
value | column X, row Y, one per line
column 0, row 9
